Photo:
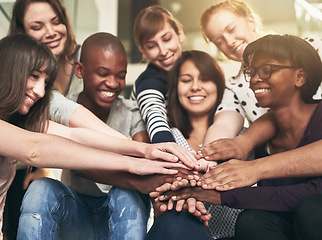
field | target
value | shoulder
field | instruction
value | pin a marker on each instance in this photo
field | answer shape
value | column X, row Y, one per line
column 150, row 77
column 317, row 114
column 313, row 131
column 238, row 80
column 73, row 96
column 150, row 69
column 126, row 103
column 58, row 98
column 61, row 108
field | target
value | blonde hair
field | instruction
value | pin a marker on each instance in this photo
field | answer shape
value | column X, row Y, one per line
column 237, row 7
column 150, row 21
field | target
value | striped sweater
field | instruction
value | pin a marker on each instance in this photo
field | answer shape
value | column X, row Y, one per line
column 150, row 90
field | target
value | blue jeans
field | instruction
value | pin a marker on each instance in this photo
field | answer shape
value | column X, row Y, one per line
column 51, row 210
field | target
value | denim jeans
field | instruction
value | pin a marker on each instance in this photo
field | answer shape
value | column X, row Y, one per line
column 51, row 210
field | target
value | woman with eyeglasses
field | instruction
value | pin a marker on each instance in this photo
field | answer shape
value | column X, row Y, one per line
column 285, row 81
column 231, row 25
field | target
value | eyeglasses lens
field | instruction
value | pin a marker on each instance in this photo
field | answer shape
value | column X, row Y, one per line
column 264, row 72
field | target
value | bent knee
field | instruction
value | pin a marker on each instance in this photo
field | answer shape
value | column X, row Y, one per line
column 40, row 191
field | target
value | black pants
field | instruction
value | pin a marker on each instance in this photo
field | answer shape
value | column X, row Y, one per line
column 178, row 225
column 304, row 224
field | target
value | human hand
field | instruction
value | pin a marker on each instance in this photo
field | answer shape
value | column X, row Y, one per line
column 168, row 186
column 191, row 205
column 159, row 208
column 194, row 207
column 230, row 175
column 222, row 149
column 200, row 194
column 184, row 178
column 142, row 166
column 149, row 183
column 32, row 176
column 198, row 209
column 172, row 152
column 205, row 165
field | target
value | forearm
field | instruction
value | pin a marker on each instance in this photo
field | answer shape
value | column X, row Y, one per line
column 115, row 178
column 305, row 161
column 143, row 184
column 153, row 109
column 260, row 131
column 227, row 124
column 209, row 196
column 45, row 150
column 99, row 140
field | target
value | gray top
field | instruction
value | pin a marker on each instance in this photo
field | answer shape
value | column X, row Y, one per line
column 124, row 117
column 60, row 108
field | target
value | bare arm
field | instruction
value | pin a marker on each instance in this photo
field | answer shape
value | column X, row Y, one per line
column 45, row 150
column 227, row 124
column 260, row 131
column 143, row 184
column 209, row 196
column 166, row 151
column 305, row 161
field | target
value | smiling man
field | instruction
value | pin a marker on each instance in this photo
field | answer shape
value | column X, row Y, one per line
column 103, row 68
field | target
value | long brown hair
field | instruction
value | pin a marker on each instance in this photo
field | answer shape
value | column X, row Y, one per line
column 209, row 69
column 20, row 56
column 17, row 25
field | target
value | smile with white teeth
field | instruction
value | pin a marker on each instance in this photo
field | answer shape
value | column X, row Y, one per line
column 261, row 90
column 239, row 47
column 107, row 94
column 53, row 44
column 196, row 98
column 168, row 60
column 30, row 99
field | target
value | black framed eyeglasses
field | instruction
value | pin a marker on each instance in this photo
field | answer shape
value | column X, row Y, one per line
column 264, row 71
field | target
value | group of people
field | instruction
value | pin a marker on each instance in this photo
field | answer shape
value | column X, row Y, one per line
column 196, row 173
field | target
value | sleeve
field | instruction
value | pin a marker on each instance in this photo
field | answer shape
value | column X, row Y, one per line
column 151, row 92
column 60, row 108
column 230, row 102
column 137, row 123
column 270, row 198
